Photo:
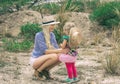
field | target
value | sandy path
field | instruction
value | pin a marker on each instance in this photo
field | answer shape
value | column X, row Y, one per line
column 18, row 71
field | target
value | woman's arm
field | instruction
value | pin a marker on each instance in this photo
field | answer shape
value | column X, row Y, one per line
column 57, row 51
column 49, row 51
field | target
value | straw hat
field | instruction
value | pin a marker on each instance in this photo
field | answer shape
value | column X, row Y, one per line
column 49, row 20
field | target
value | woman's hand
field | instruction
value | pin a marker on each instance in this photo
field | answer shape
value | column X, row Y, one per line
column 65, row 51
column 60, row 45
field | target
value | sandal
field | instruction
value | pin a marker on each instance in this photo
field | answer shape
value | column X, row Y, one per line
column 46, row 73
column 38, row 75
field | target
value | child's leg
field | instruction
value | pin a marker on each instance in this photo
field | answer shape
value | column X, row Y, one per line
column 74, row 70
column 69, row 70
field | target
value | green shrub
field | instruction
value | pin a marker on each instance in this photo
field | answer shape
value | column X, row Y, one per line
column 55, row 8
column 67, row 5
column 29, row 30
column 93, row 4
column 82, row 5
column 6, row 5
column 107, row 14
column 79, row 5
column 46, row 8
column 13, row 45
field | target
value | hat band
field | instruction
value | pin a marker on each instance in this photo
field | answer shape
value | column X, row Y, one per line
column 48, row 22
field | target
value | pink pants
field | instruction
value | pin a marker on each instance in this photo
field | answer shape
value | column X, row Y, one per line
column 71, row 70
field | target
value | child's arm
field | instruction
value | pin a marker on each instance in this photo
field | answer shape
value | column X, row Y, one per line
column 64, row 43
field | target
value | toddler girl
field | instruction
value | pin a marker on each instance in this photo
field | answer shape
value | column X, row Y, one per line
column 71, row 40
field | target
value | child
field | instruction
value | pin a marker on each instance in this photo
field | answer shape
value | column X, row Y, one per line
column 71, row 40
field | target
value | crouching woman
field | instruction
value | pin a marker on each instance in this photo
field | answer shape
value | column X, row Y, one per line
column 45, row 53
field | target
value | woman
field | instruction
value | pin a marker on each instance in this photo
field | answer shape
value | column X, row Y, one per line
column 46, row 50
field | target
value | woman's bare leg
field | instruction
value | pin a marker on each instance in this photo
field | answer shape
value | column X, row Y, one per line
column 45, row 61
column 48, row 63
column 50, row 67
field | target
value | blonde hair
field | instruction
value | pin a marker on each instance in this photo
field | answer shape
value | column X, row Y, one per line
column 74, row 34
column 47, row 37
column 75, row 37
column 68, row 26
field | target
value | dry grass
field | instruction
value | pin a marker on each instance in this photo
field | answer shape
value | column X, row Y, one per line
column 99, row 37
column 112, row 62
column 89, row 53
column 113, row 58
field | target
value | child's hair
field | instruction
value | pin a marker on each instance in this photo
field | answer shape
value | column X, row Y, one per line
column 68, row 26
column 75, row 37
column 74, row 33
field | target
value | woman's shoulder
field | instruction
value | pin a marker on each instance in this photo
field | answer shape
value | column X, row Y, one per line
column 39, row 33
column 52, row 34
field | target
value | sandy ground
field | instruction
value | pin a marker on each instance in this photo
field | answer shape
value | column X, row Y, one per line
column 16, row 69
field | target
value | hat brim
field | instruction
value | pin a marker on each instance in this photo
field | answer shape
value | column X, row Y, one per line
column 50, row 23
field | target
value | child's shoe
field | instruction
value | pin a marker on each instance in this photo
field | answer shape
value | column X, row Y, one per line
column 68, row 80
column 75, row 80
